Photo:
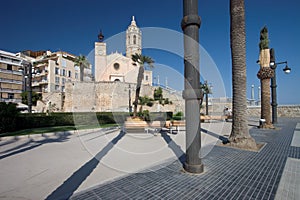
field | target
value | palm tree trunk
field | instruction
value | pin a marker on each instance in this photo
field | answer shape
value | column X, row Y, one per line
column 265, row 103
column 138, row 89
column 81, row 72
column 239, row 134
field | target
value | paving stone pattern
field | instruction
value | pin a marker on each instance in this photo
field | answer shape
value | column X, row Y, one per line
column 229, row 173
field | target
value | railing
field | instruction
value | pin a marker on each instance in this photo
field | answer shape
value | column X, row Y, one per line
column 11, row 72
column 10, row 81
column 10, row 100
column 10, row 91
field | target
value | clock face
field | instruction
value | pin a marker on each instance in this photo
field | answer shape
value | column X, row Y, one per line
column 100, row 52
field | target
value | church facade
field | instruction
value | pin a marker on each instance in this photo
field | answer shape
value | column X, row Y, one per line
column 116, row 66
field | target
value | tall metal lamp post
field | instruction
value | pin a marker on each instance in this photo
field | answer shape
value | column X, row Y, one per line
column 129, row 99
column 190, row 25
column 273, row 66
column 28, row 76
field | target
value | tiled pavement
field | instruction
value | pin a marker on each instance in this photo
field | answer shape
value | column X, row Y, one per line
column 229, row 173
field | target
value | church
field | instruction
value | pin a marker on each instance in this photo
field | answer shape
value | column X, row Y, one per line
column 116, row 66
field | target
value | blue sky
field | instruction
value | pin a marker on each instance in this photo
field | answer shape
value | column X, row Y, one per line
column 73, row 25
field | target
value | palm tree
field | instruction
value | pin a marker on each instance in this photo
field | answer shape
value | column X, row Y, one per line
column 239, row 136
column 265, row 74
column 206, row 90
column 141, row 60
column 82, row 62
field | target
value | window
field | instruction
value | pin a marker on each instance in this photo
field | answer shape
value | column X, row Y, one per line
column 63, row 81
column 63, row 63
column 11, row 96
column 146, row 78
column 57, row 87
column 134, row 39
column 57, row 80
column 62, row 88
column 76, row 75
column 70, row 74
column 56, row 70
column 9, row 67
column 64, row 72
column 116, row 66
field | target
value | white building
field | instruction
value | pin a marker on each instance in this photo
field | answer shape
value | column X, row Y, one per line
column 51, row 70
column 11, row 78
column 117, row 67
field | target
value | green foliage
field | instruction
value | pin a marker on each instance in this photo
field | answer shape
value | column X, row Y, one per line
column 8, row 115
column 145, row 115
column 150, row 103
column 83, row 63
column 167, row 101
column 142, row 60
column 158, row 94
column 37, row 120
column 35, row 97
column 264, row 40
column 205, row 88
column 178, row 116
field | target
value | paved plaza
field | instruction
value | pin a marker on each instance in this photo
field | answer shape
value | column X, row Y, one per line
column 108, row 164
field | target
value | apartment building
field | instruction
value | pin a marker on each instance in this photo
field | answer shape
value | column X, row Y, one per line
column 51, row 71
column 11, row 77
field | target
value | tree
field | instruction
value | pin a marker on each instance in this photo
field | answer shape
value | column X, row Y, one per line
column 158, row 94
column 239, row 136
column 35, row 97
column 206, row 89
column 140, row 60
column 265, row 74
column 83, row 63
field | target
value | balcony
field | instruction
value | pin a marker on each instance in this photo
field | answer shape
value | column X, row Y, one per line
column 11, row 72
column 3, row 80
column 4, row 90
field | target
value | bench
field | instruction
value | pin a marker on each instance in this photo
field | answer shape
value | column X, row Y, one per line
column 175, row 125
column 142, row 126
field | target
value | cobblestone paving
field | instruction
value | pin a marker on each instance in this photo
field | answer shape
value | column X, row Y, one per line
column 229, row 173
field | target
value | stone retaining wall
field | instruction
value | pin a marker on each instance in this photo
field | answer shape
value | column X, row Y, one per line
column 282, row 111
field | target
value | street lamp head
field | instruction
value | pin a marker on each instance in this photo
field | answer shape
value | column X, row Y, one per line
column 287, row 70
column 272, row 63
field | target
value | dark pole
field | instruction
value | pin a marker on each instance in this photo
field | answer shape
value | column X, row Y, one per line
column 129, row 95
column 30, row 88
column 0, row 92
column 273, row 87
column 190, row 25
column 206, row 96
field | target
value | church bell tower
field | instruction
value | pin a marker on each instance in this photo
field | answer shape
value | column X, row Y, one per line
column 133, row 39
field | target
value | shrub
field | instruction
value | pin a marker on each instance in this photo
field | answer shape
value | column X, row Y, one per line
column 8, row 115
column 178, row 116
column 36, row 120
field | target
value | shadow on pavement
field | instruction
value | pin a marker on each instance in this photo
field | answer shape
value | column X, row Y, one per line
column 174, row 147
column 33, row 144
column 220, row 137
column 66, row 190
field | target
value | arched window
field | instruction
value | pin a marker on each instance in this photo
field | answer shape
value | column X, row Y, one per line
column 134, row 39
column 128, row 39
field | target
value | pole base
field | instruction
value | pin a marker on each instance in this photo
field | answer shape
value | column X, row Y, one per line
column 195, row 169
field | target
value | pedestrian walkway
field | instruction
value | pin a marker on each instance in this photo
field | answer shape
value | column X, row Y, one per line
column 228, row 173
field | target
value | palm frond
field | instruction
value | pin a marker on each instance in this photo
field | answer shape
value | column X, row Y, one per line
column 141, row 59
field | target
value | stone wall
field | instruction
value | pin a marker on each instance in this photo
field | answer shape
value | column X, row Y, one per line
column 282, row 111
column 112, row 96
